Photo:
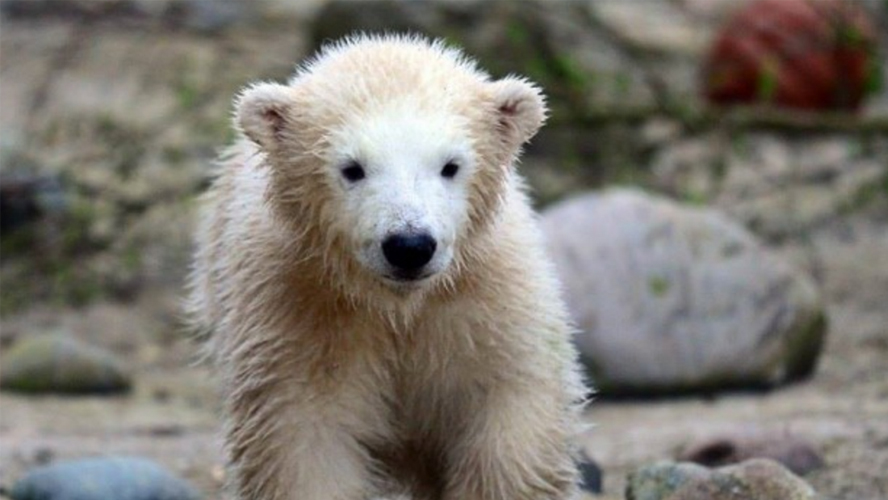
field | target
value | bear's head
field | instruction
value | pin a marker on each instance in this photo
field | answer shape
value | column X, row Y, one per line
column 389, row 153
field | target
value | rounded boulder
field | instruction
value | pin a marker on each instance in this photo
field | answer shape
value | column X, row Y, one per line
column 60, row 364
column 675, row 299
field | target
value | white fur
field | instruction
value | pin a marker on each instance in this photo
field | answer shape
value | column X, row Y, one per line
column 340, row 382
column 403, row 155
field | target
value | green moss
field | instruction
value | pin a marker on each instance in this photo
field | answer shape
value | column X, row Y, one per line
column 731, row 249
column 451, row 38
column 849, row 35
column 230, row 133
column 658, row 285
column 186, row 88
column 16, row 281
column 766, row 86
column 17, row 241
column 568, row 69
column 740, row 145
column 107, row 126
column 695, row 197
column 186, row 94
column 538, row 69
column 517, row 33
column 804, row 351
column 865, row 196
column 81, row 216
column 560, row 74
column 622, row 84
column 626, row 172
column 125, row 143
column 214, row 130
column 74, row 286
column 131, row 259
column 720, row 168
column 174, row 155
column 874, row 75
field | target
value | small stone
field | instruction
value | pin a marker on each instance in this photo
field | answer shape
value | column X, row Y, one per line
column 591, row 476
column 43, row 456
column 118, row 478
column 657, row 132
column 60, row 364
column 209, row 16
column 758, row 479
column 8, row 337
column 161, row 394
column 688, row 168
column 792, row 452
column 24, row 198
column 169, row 430
column 653, row 26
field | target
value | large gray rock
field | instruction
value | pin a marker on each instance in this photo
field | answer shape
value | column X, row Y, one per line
column 675, row 299
column 114, row 478
column 758, row 479
column 59, row 364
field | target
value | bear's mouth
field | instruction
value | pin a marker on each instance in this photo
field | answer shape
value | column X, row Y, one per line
column 404, row 278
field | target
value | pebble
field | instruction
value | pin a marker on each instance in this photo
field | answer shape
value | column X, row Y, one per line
column 112, row 478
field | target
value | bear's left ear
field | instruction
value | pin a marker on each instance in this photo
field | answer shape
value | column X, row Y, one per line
column 520, row 107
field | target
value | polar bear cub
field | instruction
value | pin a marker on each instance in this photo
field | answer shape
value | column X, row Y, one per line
column 383, row 315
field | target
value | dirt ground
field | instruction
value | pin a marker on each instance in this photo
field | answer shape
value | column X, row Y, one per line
column 173, row 413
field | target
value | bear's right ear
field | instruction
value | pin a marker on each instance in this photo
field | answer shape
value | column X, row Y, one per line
column 264, row 113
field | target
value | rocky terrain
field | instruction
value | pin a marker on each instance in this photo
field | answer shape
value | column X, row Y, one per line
column 112, row 111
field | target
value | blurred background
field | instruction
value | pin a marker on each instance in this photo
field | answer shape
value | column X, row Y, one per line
column 713, row 182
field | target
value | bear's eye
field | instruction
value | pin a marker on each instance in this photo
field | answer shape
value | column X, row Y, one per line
column 353, row 172
column 449, row 171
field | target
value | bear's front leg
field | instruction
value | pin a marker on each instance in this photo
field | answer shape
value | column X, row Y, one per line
column 299, row 445
column 515, row 445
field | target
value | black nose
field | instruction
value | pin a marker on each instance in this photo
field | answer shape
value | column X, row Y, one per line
column 409, row 252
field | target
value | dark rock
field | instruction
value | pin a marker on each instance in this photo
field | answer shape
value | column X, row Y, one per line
column 60, row 364
column 24, row 198
column 758, row 479
column 43, row 456
column 207, row 16
column 68, row 9
column 7, row 337
column 591, row 476
column 794, row 453
column 677, row 299
column 117, row 478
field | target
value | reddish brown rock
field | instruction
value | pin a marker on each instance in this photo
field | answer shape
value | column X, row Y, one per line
column 805, row 54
